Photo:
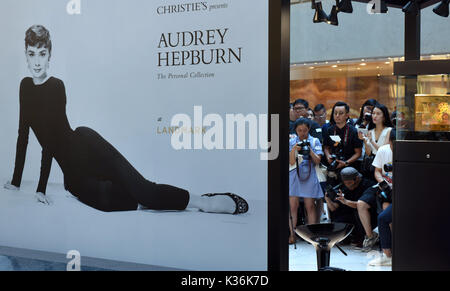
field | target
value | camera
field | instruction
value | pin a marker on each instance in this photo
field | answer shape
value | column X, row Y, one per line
column 334, row 160
column 367, row 117
column 385, row 191
column 332, row 191
column 388, row 168
column 305, row 148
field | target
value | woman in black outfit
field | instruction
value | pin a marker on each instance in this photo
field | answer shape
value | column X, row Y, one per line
column 94, row 171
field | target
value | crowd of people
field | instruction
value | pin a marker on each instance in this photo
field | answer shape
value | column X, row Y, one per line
column 347, row 164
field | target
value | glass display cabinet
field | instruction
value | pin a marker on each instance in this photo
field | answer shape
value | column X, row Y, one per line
column 421, row 220
column 423, row 107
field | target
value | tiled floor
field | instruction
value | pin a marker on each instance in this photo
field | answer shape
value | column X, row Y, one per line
column 17, row 259
column 304, row 259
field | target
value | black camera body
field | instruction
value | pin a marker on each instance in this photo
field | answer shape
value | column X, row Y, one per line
column 332, row 191
column 305, row 147
column 385, row 191
column 367, row 117
column 388, row 168
column 334, row 160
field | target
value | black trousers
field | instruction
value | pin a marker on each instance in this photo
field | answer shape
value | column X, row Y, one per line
column 102, row 178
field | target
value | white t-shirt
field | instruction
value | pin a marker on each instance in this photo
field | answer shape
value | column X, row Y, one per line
column 382, row 140
column 383, row 156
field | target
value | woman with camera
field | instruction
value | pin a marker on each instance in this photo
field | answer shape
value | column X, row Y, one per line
column 305, row 153
column 365, row 116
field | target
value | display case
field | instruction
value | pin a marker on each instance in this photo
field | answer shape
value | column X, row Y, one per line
column 421, row 166
column 423, row 107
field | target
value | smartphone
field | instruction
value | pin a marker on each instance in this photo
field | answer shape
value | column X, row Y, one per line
column 363, row 130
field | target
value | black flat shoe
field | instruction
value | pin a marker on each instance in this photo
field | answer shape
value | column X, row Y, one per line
column 241, row 204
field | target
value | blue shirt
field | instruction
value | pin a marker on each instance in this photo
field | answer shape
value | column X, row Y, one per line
column 315, row 144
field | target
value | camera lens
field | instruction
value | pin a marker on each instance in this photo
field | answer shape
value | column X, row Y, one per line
column 388, row 168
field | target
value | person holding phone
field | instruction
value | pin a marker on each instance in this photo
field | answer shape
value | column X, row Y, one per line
column 379, row 130
column 377, row 136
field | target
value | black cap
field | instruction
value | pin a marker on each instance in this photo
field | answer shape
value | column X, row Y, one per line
column 349, row 173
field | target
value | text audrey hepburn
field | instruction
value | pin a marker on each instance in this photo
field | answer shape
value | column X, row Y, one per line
column 189, row 54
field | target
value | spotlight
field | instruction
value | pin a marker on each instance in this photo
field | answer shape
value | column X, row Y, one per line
column 320, row 15
column 345, row 6
column 332, row 18
column 411, row 8
column 382, row 9
column 442, row 8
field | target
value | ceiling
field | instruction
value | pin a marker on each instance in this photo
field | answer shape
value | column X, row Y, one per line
column 390, row 3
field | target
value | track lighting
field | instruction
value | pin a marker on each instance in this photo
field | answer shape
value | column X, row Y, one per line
column 442, row 8
column 411, row 8
column 345, row 6
column 319, row 15
column 382, row 7
column 332, row 18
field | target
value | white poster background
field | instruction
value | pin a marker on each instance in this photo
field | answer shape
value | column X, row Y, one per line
column 107, row 58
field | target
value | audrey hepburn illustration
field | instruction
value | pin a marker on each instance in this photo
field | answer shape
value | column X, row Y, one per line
column 94, row 171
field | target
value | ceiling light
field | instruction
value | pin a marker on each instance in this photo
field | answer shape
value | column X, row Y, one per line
column 442, row 8
column 332, row 18
column 345, row 6
column 319, row 15
column 411, row 8
column 380, row 9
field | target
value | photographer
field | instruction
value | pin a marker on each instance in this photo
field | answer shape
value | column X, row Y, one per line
column 301, row 107
column 383, row 172
column 354, row 202
column 342, row 147
column 305, row 154
column 365, row 116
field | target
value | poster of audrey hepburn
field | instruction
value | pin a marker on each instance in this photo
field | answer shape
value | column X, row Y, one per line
column 114, row 133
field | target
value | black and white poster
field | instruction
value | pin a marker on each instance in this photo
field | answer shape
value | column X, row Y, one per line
column 117, row 117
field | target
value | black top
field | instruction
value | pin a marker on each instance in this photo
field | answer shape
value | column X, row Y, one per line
column 365, row 186
column 349, row 139
column 43, row 108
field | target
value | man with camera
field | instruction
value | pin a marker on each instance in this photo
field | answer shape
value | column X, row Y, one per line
column 300, row 107
column 354, row 202
column 342, row 147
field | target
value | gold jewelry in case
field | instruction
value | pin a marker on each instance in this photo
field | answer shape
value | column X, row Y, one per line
column 432, row 112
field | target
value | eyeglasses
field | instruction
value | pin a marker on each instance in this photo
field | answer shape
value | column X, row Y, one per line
column 299, row 108
column 322, row 115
